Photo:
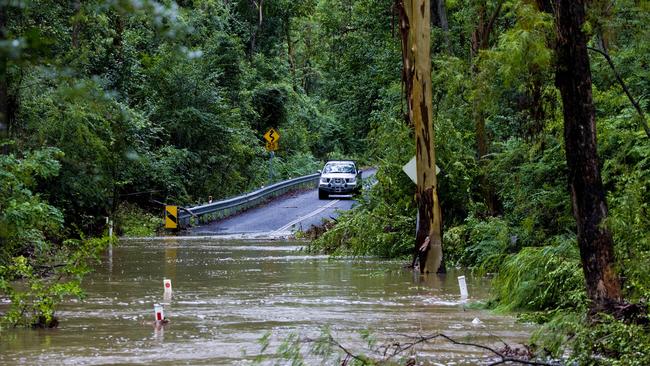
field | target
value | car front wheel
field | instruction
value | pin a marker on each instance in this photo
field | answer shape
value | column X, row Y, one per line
column 322, row 195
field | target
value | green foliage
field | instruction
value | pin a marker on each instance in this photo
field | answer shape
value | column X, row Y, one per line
column 37, row 269
column 297, row 165
column 626, row 172
column 26, row 220
column 323, row 349
column 35, row 286
column 132, row 221
column 482, row 243
column 542, row 278
column 362, row 60
column 611, row 342
column 605, row 341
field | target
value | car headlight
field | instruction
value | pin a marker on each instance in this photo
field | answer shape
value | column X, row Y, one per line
column 351, row 180
column 324, row 180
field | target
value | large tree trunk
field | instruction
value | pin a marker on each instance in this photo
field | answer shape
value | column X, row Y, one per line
column 573, row 79
column 415, row 28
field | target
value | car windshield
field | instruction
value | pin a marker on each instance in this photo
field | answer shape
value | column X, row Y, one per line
column 339, row 168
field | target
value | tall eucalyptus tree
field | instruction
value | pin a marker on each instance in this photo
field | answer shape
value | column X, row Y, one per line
column 415, row 28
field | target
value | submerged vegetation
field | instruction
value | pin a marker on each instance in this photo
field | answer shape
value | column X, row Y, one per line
column 108, row 107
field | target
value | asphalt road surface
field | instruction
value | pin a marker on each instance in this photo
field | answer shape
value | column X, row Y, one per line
column 284, row 215
column 288, row 213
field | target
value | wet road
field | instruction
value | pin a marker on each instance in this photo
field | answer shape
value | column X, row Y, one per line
column 282, row 216
column 228, row 294
column 297, row 211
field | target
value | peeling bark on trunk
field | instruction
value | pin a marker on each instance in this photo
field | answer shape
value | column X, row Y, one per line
column 573, row 79
column 415, row 29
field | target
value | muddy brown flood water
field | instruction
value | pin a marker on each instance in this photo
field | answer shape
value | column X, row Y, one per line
column 228, row 294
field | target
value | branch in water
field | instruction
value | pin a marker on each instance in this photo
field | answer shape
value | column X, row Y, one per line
column 396, row 348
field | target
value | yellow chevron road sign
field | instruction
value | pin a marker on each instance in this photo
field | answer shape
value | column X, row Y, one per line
column 171, row 217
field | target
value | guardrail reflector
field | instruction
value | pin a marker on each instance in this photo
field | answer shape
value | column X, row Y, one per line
column 171, row 217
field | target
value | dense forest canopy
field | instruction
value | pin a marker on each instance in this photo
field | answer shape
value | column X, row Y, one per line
column 108, row 106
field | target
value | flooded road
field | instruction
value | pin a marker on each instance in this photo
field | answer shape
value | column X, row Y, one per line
column 228, row 294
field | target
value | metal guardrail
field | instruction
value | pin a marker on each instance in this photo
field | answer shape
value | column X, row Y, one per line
column 221, row 209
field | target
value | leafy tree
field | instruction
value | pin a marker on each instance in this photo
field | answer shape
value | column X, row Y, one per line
column 37, row 269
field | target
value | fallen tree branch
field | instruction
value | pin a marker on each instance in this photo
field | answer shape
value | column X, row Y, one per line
column 393, row 349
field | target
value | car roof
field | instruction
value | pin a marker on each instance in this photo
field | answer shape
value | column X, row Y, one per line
column 340, row 162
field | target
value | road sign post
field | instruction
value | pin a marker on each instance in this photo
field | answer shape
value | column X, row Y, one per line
column 272, row 137
column 271, row 156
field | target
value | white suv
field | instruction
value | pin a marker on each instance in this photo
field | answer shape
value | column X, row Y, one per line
column 339, row 177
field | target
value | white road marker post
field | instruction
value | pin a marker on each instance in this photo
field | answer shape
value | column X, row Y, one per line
column 109, row 222
column 463, row 287
column 167, row 286
column 159, row 313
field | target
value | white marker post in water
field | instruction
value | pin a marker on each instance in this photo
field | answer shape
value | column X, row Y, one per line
column 167, row 295
column 159, row 313
column 463, row 287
